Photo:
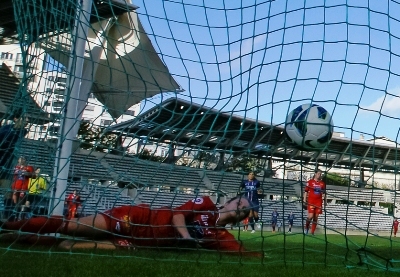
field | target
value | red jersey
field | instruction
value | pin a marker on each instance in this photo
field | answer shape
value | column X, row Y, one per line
column 74, row 200
column 21, row 178
column 315, row 191
column 395, row 224
column 153, row 227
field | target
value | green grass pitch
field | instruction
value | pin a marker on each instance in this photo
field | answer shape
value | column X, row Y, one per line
column 285, row 255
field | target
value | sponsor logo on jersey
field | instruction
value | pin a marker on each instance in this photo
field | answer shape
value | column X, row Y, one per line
column 126, row 220
column 198, row 200
column 196, row 230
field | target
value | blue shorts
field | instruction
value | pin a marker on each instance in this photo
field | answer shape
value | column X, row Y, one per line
column 256, row 205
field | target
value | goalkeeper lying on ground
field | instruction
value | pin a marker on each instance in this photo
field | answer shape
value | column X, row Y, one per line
column 198, row 222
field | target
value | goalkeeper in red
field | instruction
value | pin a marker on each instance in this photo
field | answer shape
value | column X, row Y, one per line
column 198, row 222
column 314, row 195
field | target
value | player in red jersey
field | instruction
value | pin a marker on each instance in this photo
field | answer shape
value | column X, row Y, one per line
column 22, row 173
column 395, row 226
column 245, row 224
column 314, row 195
column 197, row 222
column 73, row 202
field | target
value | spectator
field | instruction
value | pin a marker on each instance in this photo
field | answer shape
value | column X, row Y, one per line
column 10, row 135
column 251, row 188
column 36, row 188
column 73, row 202
column 274, row 219
column 198, row 222
column 395, row 226
column 291, row 217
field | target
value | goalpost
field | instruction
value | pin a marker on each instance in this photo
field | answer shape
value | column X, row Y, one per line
column 160, row 102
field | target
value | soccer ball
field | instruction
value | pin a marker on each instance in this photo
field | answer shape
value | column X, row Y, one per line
column 309, row 127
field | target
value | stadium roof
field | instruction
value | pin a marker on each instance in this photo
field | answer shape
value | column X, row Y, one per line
column 197, row 126
column 11, row 99
column 127, row 70
column 46, row 21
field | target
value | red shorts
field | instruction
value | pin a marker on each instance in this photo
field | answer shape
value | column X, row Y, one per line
column 72, row 210
column 120, row 220
column 18, row 185
column 314, row 209
column 140, row 225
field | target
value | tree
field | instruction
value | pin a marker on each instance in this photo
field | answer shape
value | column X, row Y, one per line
column 94, row 137
column 146, row 154
column 244, row 163
column 203, row 159
column 336, row 180
column 87, row 135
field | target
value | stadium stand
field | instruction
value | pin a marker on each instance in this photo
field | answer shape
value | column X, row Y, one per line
column 97, row 198
column 281, row 187
column 149, row 173
column 352, row 217
column 38, row 154
column 230, row 182
column 159, row 199
column 224, row 181
column 395, row 197
column 87, row 166
column 371, row 195
column 148, row 177
column 284, row 208
column 11, row 96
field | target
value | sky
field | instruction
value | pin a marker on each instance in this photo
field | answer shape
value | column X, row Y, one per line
column 261, row 59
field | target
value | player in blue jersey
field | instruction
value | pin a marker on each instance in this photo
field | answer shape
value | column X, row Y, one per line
column 251, row 187
column 290, row 218
column 274, row 219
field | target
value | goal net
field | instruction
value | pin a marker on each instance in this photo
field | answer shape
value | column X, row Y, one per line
column 160, row 102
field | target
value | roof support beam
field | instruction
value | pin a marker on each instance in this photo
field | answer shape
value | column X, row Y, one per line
column 384, row 160
column 340, row 157
column 360, row 160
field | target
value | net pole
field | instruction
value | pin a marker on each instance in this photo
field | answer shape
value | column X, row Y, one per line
column 90, row 69
column 67, row 134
